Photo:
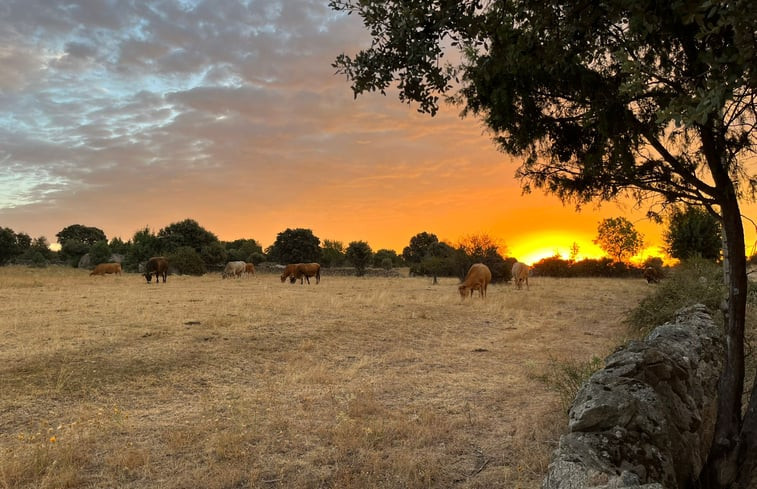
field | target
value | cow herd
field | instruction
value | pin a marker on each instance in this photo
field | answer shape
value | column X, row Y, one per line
column 478, row 277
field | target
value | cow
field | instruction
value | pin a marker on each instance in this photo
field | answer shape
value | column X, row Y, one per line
column 249, row 269
column 157, row 265
column 520, row 274
column 104, row 268
column 289, row 271
column 234, row 269
column 304, row 271
column 478, row 278
column 652, row 275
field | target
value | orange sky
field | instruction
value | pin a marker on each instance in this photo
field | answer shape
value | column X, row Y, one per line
column 232, row 115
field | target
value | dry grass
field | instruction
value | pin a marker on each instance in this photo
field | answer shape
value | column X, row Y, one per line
column 356, row 382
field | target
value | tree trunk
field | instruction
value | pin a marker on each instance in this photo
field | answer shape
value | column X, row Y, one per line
column 723, row 462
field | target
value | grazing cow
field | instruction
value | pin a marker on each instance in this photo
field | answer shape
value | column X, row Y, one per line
column 289, row 271
column 249, row 269
column 652, row 275
column 104, row 268
column 304, row 271
column 234, row 269
column 520, row 274
column 157, row 265
column 478, row 278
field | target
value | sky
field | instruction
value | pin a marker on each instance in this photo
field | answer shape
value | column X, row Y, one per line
column 123, row 115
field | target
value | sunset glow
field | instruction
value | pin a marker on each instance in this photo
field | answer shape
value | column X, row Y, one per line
column 233, row 117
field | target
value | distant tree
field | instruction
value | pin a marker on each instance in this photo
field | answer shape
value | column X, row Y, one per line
column 243, row 250
column 72, row 250
column 574, row 249
column 186, row 261
column 441, row 260
column 215, row 254
column 427, row 256
column 553, row 266
column 118, row 246
column 295, row 246
column 10, row 247
column 618, row 238
column 332, row 253
column 143, row 245
column 483, row 248
column 185, row 233
column 99, row 253
column 691, row 232
column 359, row 254
column 75, row 241
column 39, row 253
column 387, row 259
column 85, row 234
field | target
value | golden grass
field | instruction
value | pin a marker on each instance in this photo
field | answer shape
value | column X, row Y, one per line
column 356, row 382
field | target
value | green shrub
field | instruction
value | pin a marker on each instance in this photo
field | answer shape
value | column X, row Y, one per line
column 566, row 377
column 694, row 281
column 186, row 261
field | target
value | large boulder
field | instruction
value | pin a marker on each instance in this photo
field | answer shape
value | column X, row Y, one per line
column 647, row 419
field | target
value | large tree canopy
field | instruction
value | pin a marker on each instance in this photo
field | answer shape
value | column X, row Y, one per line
column 601, row 99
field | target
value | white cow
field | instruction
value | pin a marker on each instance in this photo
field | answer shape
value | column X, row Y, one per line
column 520, row 274
column 234, row 269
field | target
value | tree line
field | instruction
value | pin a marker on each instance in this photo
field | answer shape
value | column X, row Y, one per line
column 194, row 250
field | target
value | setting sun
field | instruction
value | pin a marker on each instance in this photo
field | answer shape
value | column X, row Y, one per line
column 531, row 248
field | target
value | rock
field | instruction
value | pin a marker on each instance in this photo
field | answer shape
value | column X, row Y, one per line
column 647, row 419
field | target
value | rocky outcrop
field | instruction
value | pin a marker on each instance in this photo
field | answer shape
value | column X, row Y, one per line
column 647, row 419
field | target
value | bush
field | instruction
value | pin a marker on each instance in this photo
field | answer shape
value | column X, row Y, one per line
column 186, row 261
column 566, row 378
column 693, row 281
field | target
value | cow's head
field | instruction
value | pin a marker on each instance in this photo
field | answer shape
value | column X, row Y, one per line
column 148, row 277
column 283, row 277
column 292, row 279
column 463, row 291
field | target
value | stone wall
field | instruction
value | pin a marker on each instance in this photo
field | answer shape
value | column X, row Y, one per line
column 647, row 419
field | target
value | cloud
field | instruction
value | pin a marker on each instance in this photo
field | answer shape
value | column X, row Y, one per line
column 125, row 114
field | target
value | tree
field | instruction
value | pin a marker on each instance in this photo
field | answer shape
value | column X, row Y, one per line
column 359, row 253
column 482, row 248
column 243, row 249
column 693, row 232
column 185, row 233
column 421, row 245
column 187, row 261
column 144, row 245
column 387, row 259
column 99, row 253
column 654, row 100
column 75, row 241
column 332, row 253
column 295, row 246
column 618, row 238
column 12, row 244
column 85, row 234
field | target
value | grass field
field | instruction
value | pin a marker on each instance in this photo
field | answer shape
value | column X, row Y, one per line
column 355, row 382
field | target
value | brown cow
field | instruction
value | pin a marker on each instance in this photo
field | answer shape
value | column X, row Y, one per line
column 289, row 271
column 157, row 265
column 478, row 278
column 305, row 271
column 652, row 275
column 520, row 274
column 104, row 268
column 249, row 269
